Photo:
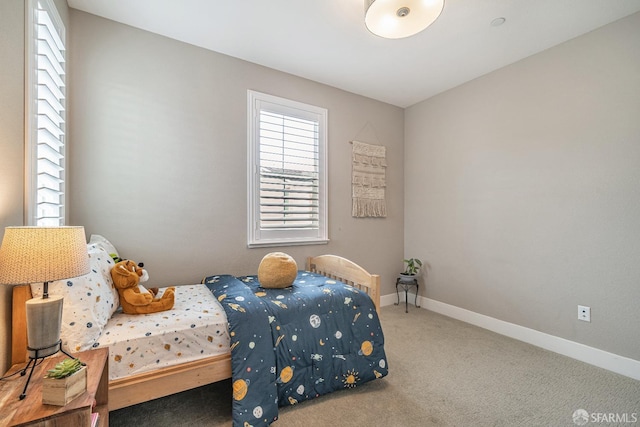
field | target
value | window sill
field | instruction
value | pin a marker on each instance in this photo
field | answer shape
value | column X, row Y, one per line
column 287, row 243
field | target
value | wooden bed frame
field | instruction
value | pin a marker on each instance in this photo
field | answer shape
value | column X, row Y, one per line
column 150, row 385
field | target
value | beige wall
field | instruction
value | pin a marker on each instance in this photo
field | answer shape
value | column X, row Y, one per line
column 522, row 190
column 159, row 155
column 12, row 36
column 12, row 142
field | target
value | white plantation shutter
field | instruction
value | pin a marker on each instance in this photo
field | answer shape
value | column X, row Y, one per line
column 287, row 179
column 45, row 115
column 288, row 172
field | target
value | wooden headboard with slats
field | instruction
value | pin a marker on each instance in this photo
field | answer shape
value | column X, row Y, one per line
column 347, row 271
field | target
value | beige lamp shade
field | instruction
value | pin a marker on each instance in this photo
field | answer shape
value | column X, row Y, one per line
column 395, row 19
column 42, row 254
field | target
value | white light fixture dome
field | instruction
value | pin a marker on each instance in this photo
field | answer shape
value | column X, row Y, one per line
column 395, row 19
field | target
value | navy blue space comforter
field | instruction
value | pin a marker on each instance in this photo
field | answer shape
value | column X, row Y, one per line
column 293, row 344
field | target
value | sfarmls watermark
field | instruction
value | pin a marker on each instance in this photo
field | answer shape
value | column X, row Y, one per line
column 582, row 417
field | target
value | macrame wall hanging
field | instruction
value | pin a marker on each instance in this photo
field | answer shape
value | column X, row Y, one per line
column 368, row 180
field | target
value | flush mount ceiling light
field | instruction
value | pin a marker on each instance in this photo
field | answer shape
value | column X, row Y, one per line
column 395, row 19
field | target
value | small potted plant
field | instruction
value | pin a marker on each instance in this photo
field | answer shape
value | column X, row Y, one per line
column 411, row 269
column 66, row 381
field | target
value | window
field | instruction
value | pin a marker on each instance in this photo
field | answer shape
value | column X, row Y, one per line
column 45, row 115
column 287, row 172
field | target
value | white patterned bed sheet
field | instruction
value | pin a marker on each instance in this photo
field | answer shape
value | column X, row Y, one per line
column 196, row 327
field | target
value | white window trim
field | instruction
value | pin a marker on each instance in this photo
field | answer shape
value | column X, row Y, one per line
column 260, row 238
column 31, row 111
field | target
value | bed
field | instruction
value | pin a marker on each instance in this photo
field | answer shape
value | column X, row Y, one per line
column 155, row 383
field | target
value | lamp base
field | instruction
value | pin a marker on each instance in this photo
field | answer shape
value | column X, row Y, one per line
column 43, row 331
column 39, row 353
column 44, row 316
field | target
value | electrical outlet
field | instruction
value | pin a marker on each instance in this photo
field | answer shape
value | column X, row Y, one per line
column 584, row 313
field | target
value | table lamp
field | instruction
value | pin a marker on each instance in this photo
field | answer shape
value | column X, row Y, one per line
column 42, row 254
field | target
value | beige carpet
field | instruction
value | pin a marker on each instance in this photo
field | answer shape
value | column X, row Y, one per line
column 442, row 372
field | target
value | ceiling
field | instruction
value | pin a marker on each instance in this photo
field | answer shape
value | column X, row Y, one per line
column 327, row 41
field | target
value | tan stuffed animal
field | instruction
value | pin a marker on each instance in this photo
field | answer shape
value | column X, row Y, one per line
column 277, row 270
column 126, row 278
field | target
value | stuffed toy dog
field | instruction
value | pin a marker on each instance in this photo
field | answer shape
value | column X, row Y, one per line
column 134, row 299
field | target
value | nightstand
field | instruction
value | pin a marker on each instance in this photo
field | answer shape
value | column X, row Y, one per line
column 32, row 412
column 406, row 285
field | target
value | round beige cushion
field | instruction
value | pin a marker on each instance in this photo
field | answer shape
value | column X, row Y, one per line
column 277, row 270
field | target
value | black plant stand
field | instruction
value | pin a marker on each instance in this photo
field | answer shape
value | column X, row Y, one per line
column 33, row 362
column 406, row 285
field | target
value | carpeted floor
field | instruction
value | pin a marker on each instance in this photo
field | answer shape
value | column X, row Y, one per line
column 442, row 372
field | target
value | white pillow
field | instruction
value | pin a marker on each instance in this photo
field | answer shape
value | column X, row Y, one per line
column 88, row 301
column 104, row 264
column 107, row 245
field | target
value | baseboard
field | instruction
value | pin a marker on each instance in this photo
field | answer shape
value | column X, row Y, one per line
column 593, row 356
